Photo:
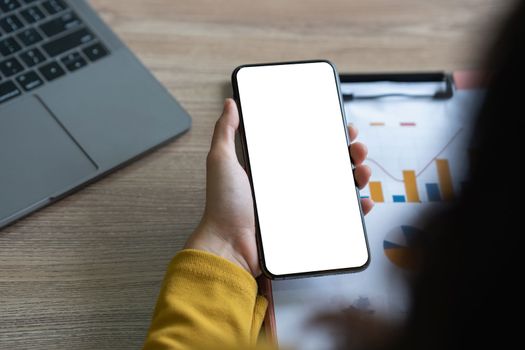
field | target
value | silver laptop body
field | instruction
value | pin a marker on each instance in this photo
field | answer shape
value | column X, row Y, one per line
column 75, row 103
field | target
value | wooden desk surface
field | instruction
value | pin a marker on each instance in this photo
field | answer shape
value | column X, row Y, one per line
column 84, row 273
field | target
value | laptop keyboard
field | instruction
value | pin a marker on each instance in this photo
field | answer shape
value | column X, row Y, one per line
column 40, row 41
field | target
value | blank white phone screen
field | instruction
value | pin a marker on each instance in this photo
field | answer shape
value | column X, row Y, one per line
column 307, row 205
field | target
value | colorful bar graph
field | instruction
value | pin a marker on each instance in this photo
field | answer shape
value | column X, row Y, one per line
column 409, row 177
column 433, row 192
column 445, row 179
column 376, row 191
column 398, row 198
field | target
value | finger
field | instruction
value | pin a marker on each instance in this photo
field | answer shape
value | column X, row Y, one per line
column 352, row 132
column 358, row 152
column 225, row 127
column 362, row 174
column 366, row 205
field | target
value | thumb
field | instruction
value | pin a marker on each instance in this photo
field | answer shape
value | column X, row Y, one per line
column 225, row 127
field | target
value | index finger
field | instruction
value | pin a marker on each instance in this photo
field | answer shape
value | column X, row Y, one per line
column 352, row 132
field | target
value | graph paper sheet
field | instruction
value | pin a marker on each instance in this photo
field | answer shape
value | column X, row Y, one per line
column 418, row 148
column 418, row 153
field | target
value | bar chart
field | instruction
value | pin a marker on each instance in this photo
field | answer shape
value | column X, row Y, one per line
column 435, row 192
column 417, row 154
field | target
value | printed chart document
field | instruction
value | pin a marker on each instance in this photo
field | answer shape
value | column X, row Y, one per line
column 419, row 152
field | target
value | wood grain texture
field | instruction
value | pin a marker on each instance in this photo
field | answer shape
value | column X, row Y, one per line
column 84, row 273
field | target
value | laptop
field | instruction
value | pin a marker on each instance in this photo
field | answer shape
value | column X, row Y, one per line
column 75, row 103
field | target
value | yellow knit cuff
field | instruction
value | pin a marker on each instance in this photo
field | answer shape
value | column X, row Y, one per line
column 202, row 264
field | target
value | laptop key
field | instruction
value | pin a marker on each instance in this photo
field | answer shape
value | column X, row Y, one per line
column 9, row 5
column 95, row 51
column 9, row 46
column 11, row 23
column 11, row 67
column 32, row 57
column 32, row 14
column 54, row 6
column 29, row 36
column 68, row 42
column 51, row 71
column 58, row 25
column 8, row 90
column 29, row 80
column 73, row 61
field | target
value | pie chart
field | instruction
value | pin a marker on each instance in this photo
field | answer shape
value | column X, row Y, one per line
column 399, row 246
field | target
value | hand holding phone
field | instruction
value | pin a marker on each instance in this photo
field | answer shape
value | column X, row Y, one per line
column 293, row 129
column 227, row 228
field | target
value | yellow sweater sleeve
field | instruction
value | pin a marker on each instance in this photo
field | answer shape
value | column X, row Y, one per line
column 206, row 302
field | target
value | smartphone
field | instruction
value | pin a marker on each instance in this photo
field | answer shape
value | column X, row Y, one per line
column 295, row 142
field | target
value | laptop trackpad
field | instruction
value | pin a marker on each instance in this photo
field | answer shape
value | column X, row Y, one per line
column 38, row 157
